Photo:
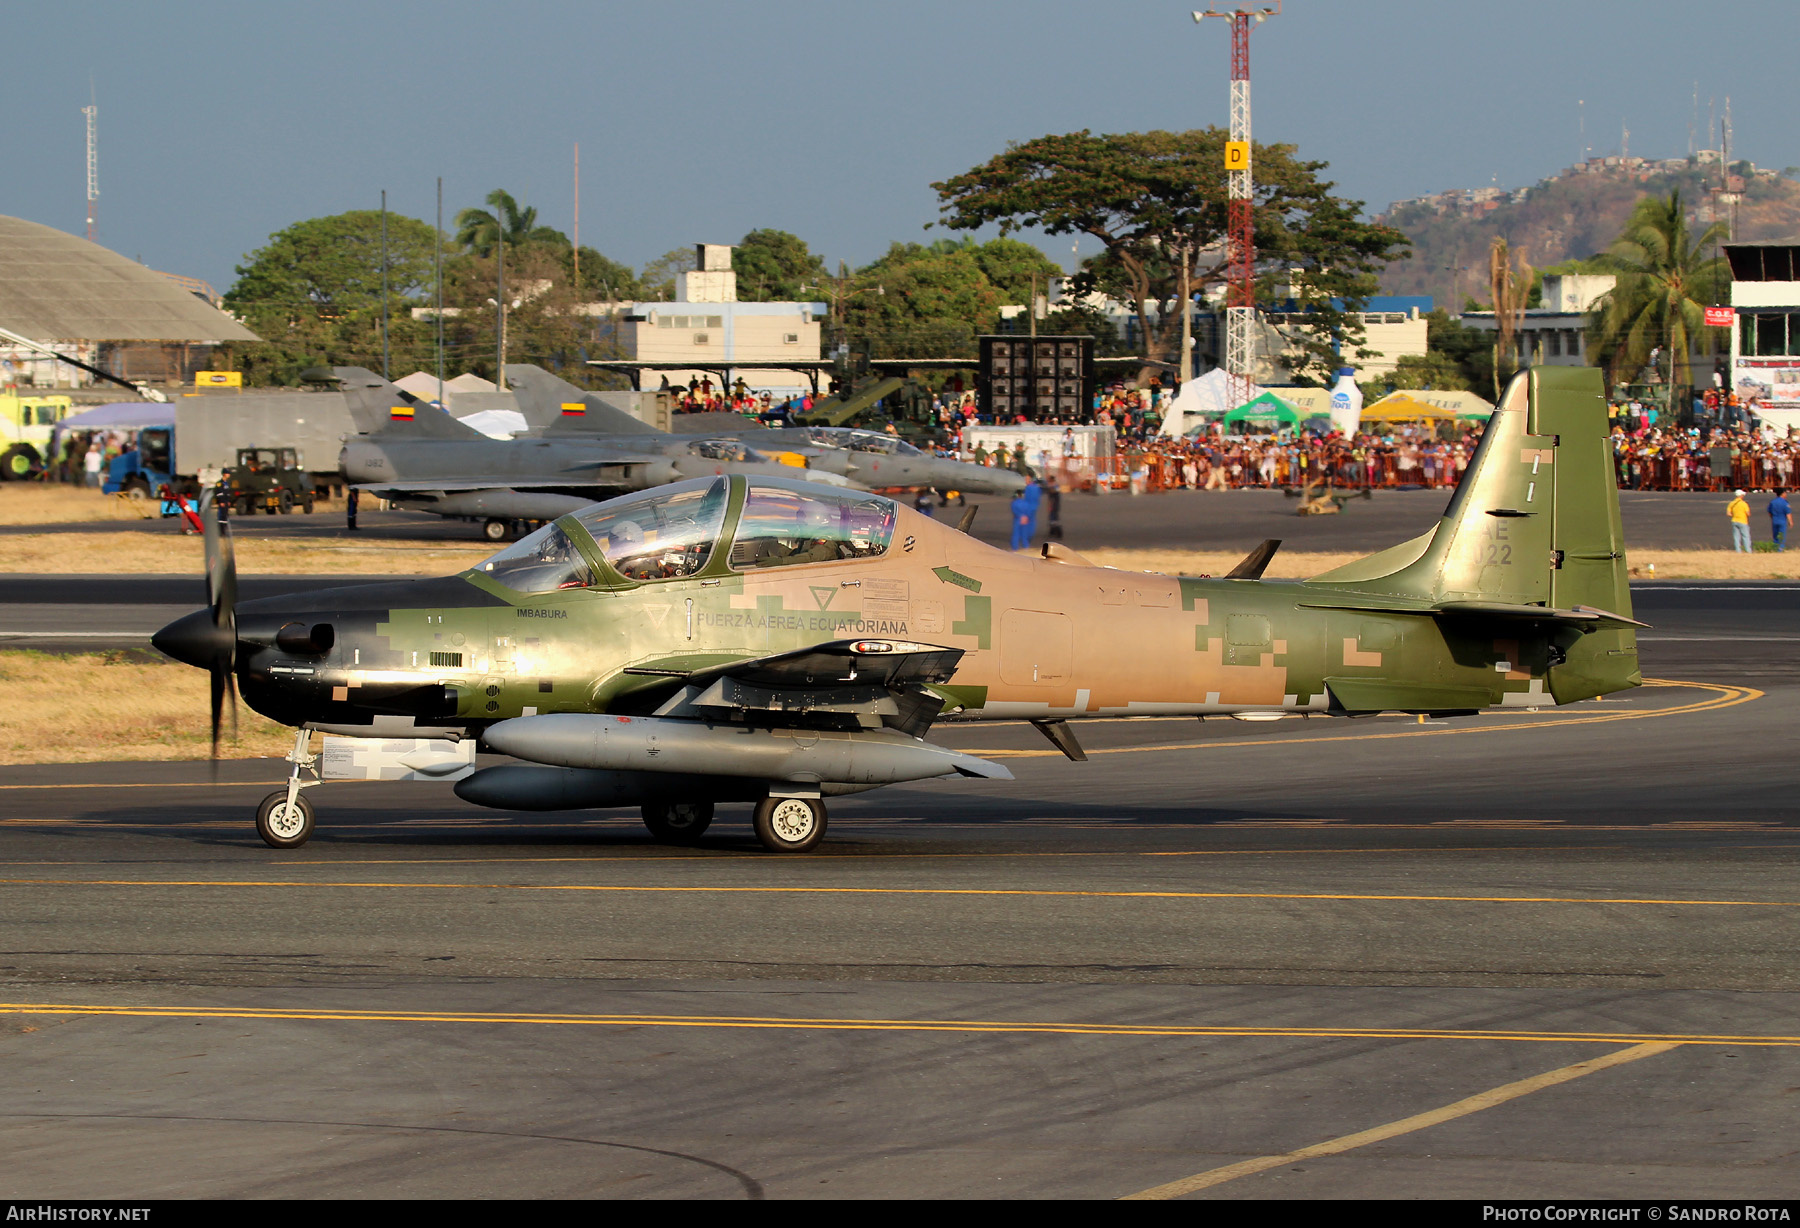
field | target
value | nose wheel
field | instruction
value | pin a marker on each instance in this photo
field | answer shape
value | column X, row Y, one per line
column 284, row 824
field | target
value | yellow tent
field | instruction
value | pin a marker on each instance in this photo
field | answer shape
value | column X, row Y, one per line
column 1398, row 407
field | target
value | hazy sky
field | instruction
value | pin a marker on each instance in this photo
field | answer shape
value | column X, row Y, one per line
column 223, row 122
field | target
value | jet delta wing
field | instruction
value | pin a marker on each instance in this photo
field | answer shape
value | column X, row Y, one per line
column 748, row 638
column 419, row 457
column 869, row 459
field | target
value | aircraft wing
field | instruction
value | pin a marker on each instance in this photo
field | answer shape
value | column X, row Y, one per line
column 846, row 684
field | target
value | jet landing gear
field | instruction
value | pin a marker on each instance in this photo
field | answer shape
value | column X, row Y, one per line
column 789, row 824
column 678, row 822
column 285, row 818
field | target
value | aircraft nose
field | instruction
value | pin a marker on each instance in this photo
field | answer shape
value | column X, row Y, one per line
column 191, row 639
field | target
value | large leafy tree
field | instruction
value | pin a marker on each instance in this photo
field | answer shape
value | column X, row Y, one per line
column 546, row 319
column 504, row 221
column 921, row 302
column 602, row 279
column 1156, row 201
column 1664, row 283
column 774, row 266
column 314, row 293
column 657, row 280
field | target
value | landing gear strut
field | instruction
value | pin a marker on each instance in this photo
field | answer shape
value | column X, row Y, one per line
column 285, row 819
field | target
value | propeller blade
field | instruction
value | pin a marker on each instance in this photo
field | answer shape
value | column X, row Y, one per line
column 221, row 596
column 219, row 680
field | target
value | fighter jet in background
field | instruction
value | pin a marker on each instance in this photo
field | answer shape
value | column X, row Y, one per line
column 556, row 408
column 418, row 457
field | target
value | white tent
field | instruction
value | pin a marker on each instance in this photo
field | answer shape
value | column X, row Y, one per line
column 1203, row 398
column 499, row 423
column 424, row 385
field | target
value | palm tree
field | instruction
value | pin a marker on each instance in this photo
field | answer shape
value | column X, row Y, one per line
column 480, row 231
column 1663, row 287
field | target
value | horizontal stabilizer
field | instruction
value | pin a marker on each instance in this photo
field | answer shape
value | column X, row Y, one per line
column 1580, row 614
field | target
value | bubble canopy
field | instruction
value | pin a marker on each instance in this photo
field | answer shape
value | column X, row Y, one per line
column 674, row 531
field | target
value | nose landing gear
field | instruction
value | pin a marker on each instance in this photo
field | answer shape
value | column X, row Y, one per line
column 285, row 818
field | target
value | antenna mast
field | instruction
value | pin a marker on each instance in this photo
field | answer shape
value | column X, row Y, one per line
column 1240, row 208
column 93, row 169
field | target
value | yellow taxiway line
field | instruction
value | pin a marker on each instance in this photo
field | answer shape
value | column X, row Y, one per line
column 710, row 889
column 830, row 1024
column 1406, row 1125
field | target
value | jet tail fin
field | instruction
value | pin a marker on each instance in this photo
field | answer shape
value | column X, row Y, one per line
column 554, row 406
column 1534, row 523
column 379, row 408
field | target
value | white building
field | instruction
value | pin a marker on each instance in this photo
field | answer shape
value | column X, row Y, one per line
column 1555, row 334
column 1765, row 345
column 707, row 334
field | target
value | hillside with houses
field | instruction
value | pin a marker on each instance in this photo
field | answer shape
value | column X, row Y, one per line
column 1573, row 215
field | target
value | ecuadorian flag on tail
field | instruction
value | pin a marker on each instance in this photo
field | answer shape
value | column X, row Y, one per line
column 573, row 409
column 401, row 413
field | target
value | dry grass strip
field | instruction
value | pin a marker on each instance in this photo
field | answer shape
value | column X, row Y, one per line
column 173, row 554
column 95, row 707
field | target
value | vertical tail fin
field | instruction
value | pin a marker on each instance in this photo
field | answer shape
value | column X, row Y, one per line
column 379, row 408
column 553, row 406
column 1534, row 522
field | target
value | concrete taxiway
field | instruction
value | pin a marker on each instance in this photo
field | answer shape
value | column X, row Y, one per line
column 1516, row 955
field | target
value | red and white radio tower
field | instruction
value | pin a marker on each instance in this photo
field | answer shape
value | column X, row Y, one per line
column 1240, row 206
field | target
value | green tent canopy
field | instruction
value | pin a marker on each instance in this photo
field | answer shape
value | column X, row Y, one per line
column 1265, row 410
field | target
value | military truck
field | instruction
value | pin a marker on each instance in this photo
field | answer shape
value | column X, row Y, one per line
column 26, row 421
column 205, row 434
column 268, row 480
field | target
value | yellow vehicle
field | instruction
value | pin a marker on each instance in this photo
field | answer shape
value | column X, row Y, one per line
column 25, row 425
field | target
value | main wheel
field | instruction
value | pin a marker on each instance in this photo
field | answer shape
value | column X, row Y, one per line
column 678, row 822
column 789, row 824
column 285, row 503
column 494, row 530
column 307, row 505
column 282, row 826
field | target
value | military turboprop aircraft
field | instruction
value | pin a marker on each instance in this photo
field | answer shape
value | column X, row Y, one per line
column 417, row 456
column 760, row 639
column 870, row 459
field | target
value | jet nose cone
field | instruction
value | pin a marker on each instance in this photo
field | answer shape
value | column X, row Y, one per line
column 191, row 639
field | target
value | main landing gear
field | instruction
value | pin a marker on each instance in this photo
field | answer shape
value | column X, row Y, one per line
column 285, row 818
column 784, row 824
column 789, row 824
column 678, row 822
